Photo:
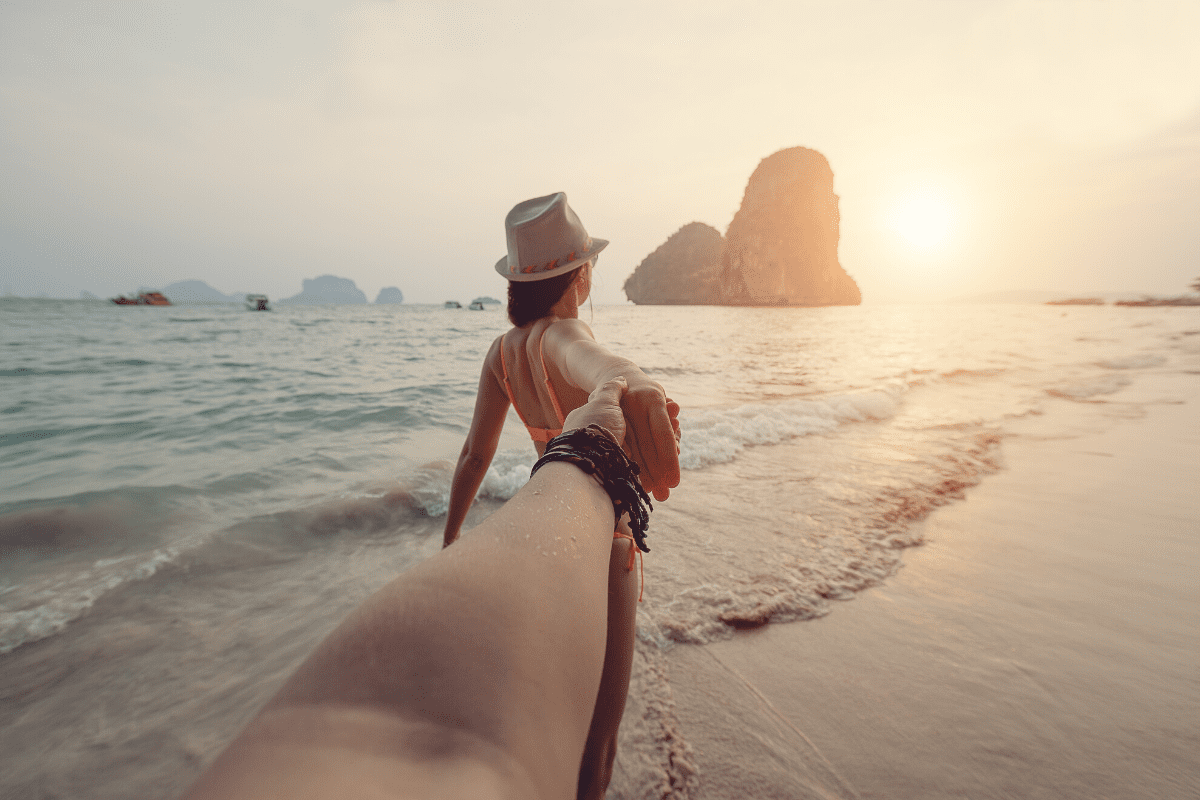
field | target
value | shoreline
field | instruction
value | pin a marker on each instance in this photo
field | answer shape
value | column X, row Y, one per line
column 1042, row 643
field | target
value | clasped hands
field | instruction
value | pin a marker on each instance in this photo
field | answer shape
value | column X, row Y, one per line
column 645, row 420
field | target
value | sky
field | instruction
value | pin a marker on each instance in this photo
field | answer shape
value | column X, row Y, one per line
column 983, row 146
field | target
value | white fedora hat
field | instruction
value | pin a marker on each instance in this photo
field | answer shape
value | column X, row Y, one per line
column 545, row 238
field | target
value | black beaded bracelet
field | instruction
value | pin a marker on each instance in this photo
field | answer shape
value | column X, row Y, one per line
column 593, row 451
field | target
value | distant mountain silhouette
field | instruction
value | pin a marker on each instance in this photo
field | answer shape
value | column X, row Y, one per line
column 389, row 294
column 197, row 293
column 326, row 290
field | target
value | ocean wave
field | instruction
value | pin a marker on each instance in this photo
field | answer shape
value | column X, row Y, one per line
column 68, row 598
column 31, row 372
column 973, row 373
column 123, row 536
column 48, row 590
column 709, row 437
column 821, row 523
column 93, row 521
column 717, row 436
column 1090, row 387
column 1139, row 361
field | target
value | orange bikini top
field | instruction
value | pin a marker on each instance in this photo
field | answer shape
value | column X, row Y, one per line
column 537, row 434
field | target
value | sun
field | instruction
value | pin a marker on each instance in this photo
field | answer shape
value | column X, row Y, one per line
column 924, row 217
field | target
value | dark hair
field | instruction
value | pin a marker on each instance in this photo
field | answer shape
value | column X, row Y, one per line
column 531, row 300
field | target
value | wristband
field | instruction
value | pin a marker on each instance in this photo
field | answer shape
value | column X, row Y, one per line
column 593, row 450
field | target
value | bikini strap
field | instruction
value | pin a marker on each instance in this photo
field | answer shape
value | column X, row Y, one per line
column 508, row 386
column 641, row 562
column 549, row 386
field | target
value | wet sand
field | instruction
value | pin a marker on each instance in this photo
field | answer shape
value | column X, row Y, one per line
column 1043, row 643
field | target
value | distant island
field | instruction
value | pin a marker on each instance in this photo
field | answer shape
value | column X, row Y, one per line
column 198, row 293
column 1181, row 300
column 389, row 295
column 487, row 301
column 326, row 290
column 780, row 249
column 322, row 290
column 1076, row 301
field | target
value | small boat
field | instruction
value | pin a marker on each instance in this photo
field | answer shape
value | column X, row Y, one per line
column 453, row 304
column 142, row 299
column 476, row 306
column 257, row 302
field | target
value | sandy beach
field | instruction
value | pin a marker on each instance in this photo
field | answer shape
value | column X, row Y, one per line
column 1043, row 643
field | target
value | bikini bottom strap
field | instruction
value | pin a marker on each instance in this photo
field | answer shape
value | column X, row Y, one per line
column 641, row 562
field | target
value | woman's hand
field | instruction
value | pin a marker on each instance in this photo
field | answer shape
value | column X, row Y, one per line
column 646, row 422
column 652, row 439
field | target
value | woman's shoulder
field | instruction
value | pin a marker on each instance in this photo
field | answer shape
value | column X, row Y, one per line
column 495, row 353
column 569, row 328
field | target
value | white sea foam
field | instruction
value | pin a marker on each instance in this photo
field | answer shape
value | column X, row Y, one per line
column 717, row 436
column 70, row 598
column 508, row 473
column 712, row 436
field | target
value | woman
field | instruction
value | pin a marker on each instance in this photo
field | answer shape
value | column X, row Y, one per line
column 546, row 366
column 448, row 682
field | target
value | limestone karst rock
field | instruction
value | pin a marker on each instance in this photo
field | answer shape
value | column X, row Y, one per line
column 682, row 271
column 389, row 294
column 327, row 290
column 781, row 248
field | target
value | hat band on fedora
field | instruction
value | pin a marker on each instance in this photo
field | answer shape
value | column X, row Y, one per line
column 549, row 265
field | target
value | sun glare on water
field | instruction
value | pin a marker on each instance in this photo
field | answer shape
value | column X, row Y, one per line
column 924, row 217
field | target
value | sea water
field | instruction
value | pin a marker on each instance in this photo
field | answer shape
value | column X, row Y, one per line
column 192, row 497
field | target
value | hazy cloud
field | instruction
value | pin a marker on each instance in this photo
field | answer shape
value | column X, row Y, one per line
column 256, row 144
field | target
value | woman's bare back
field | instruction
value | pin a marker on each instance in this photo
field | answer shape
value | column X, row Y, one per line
column 536, row 386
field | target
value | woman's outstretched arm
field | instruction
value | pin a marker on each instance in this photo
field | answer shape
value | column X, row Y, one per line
column 491, row 406
column 651, row 417
column 473, row 674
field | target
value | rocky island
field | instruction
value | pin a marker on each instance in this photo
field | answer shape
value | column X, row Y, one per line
column 1181, row 300
column 389, row 295
column 682, row 271
column 327, row 290
column 197, row 292
column 780, row 249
